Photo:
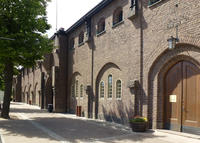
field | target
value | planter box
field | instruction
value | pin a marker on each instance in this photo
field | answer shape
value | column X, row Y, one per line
column 139, row 126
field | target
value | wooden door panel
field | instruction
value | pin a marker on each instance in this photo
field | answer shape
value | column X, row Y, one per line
column 173, row 86
column 183, row 80
column 190, row 94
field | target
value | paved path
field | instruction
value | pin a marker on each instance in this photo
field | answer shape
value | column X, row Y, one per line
column 29, row 124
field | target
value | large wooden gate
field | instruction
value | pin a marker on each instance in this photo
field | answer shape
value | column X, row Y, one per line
column 182, row 98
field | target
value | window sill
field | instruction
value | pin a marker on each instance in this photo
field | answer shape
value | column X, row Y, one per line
column 81, row 44
column 119, row 98
column 109, row 98
column 101, row 33
column 117, row 24
column 151, row 5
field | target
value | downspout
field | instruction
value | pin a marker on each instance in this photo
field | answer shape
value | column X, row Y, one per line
column 141, row 99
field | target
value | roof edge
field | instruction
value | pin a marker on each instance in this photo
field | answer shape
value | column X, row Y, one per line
column 92, row 12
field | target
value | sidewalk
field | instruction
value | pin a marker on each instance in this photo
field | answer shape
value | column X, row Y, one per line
column 29, row 124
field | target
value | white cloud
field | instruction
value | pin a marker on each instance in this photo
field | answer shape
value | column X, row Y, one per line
column 69, row 11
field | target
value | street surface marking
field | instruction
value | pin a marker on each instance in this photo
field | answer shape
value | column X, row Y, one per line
column 1, row 137
column 39, row 126
column 107, row 139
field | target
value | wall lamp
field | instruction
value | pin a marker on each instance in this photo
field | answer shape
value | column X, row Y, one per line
column 172, row 42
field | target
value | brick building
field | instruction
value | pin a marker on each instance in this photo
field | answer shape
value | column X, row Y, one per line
column 115, row 63
column 41, row 84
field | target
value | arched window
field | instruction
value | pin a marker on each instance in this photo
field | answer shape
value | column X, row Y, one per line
column 81, row 38
column 101, row 89
column 101, row 25
column 110, row 86
column 76, row 88
column 72, row 90
column 117, row 16
column 118, row 89
column 81, row 91
column 71, row 42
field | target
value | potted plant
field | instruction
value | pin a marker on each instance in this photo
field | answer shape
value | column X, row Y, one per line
column 139, row 124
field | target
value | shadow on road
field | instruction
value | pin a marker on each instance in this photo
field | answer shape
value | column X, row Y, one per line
column 72, row 130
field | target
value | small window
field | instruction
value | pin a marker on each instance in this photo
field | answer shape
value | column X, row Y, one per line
column 76, row 88
column 72, row 90
column 101, row 25
column 117, row 16
column 110, row 86
column 71, row 44
column 101, row 93
column 81, row 38
column 118, row 89
column 81, row 91
column 151, row 2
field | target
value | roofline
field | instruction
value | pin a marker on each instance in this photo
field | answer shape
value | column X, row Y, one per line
column 92, row 12
column 59, row 32
column 53, row 36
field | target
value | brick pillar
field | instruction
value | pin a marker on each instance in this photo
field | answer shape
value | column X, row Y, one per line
column 60, row 88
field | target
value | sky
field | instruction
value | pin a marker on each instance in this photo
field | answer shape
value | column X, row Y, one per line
column 69, row 11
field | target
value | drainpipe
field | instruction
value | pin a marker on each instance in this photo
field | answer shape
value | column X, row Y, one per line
column 141, row 99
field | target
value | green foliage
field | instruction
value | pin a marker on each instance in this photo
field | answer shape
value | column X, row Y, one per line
column 26, row 22
column 138, row 119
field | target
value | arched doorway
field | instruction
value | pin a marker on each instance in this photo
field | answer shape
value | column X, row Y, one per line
column 182, row 98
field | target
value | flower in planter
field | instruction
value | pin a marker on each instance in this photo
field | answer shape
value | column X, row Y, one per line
column 138, row 119
column 138, row 123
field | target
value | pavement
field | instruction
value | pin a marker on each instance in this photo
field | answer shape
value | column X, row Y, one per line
column 29, row 124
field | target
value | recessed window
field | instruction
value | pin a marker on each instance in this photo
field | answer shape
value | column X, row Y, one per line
column 73, row 90
column 81, row 38
column 81, row 91
column 118, row 89
column 76, row 88
column 110, row 86
column 117, row 16
column 152, row 2
column 71, row 44
column 101, row 25
column 101, row 89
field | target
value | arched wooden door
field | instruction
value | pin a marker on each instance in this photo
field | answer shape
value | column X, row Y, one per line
column 182, row 98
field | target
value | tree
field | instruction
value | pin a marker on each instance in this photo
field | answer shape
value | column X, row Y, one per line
column 26, row 22
column 1, row 78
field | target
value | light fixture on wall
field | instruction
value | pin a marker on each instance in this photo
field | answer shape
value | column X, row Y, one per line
column 133, row 84
column 172, row 40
